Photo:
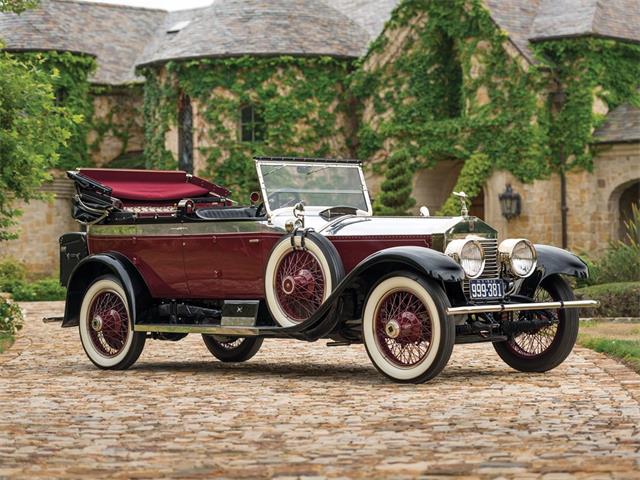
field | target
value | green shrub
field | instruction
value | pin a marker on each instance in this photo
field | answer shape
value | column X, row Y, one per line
column 10, row 317
column 616, row 299
column 621, row 261
column 47, row 289
column 12, row 272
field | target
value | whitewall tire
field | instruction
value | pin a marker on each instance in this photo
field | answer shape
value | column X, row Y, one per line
column 406, row 332
column 299, row 280
column 105, row 326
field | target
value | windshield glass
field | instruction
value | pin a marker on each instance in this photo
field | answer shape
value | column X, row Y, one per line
column 317, row 185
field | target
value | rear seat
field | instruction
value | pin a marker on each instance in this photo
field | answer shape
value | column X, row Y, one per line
column 230, row 213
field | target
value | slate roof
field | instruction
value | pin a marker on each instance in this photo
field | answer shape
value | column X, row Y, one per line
column 258, row 27
column 569, row 18
column 116, row 35
column 123, row 37
column 369, row 14
column 622, row 125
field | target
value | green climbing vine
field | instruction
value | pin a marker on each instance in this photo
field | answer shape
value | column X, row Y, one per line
column 69, row 73
column 458, row 89
column 300, row 99
column 120, row 120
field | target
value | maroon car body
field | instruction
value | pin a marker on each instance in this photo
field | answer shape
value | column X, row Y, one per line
column 166, row 254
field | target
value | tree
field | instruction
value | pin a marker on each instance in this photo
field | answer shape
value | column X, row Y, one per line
column 17, row 6
column 32, row 129
column 395, row 192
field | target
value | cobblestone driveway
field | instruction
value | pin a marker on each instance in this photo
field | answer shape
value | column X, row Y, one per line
column 301, row 409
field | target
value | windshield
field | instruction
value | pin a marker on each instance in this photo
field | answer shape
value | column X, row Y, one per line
column 317, row 185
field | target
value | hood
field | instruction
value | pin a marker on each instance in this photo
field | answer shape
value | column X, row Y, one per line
column 400, row 226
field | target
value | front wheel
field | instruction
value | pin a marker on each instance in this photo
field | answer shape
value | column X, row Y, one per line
column 105, row 326
column 546, row 347
column 232, row 349
column 406, row 331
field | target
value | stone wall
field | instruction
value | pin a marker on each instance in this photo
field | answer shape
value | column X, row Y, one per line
column 593, row 200
column 39, row 227
column 117, row 124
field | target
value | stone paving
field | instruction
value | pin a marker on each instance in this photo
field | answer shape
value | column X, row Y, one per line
column 300, row 410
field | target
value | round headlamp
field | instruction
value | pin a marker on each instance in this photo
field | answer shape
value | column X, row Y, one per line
column 469, row 254
column 519, row 256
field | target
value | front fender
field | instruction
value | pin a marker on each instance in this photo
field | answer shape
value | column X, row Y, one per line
column 554, row 260
column 429, row 262
column 94, row 266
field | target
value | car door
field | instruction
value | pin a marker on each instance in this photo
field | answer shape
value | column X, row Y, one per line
column 224, row 259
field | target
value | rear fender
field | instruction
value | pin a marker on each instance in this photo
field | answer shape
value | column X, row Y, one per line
column 94, row 266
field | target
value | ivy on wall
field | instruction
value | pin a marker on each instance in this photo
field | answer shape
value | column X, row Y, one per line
column 300, row 100
column 588, row 69
column 68, row 73
column 120, row 122
column 454, row 92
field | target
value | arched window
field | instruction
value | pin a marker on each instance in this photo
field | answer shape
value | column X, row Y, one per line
column 629, row 199
column 185, row 135
column 252, row 127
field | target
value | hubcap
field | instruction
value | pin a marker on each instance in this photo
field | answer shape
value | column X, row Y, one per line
column 299, row 284
column 108, row 323
column 403, row 328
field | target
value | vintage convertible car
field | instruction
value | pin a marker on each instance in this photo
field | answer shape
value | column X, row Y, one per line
column 166, row 254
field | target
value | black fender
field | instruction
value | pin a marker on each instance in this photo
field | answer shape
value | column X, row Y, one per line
column 553, row 261
column 422, row 260
column 94, row 266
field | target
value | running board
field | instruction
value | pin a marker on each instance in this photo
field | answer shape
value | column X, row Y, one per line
column 206, row 329
column 518, row 307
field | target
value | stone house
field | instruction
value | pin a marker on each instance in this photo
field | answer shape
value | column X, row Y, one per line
column 205, row 89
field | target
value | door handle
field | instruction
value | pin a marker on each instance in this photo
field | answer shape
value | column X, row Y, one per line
column 177, row 229
column 254, row 240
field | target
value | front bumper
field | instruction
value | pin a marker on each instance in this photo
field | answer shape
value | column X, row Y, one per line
column 518, row 307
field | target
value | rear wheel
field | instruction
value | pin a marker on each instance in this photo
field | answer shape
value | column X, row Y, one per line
column 232, row 349
column 105, row 326
column 406, row 331
column 548, row 346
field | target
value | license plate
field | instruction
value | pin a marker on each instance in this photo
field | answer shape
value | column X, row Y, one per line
column 486, row 289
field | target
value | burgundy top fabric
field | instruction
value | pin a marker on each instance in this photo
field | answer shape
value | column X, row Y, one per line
column 152, row 185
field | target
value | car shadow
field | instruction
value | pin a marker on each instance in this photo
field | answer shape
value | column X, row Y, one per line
column 365, row 374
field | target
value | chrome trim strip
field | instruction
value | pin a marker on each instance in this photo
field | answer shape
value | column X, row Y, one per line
column 214, row 227
column 512, row 307
column 208, row 329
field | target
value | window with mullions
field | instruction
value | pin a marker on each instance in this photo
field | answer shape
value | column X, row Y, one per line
column 252, row 127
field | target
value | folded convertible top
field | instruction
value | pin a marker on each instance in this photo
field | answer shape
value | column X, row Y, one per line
column 152, row 185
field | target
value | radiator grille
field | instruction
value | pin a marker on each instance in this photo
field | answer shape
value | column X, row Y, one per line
column 491, row 266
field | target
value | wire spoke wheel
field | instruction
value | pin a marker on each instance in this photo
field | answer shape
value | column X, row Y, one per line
column 108, row 323
column 232, row 349
column 550, row 335
column 403, row 328
column 106, row 326
column 299, row 284
column 534, row 344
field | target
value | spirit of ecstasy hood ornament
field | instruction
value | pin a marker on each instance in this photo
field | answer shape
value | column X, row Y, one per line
column 464, row 211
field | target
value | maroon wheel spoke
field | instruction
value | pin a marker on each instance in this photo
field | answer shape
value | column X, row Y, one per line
column 108, row 323
column 299, row 284
column 403, row 328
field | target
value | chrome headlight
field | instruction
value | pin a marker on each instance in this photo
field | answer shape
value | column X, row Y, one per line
column 519, row 256
column 469, row 254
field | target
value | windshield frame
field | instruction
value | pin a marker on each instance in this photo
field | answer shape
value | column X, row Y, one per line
column 320, row 163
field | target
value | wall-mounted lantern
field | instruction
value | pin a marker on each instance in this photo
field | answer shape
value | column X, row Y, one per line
column 509, row 203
